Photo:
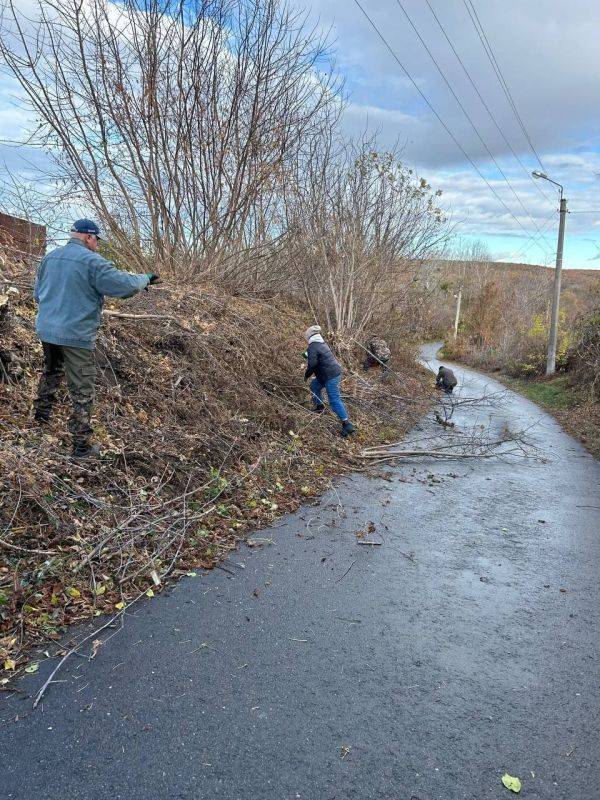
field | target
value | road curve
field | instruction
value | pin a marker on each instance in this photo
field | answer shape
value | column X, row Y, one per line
column 463, row 647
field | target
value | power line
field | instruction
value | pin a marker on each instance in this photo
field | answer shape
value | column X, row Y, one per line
column 525, row 248
column 487, row 108
column 501, row 79
column 440, row 120
column 467, row 115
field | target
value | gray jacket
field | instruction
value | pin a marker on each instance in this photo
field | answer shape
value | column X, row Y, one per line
column 446, row 378
column 69, row 290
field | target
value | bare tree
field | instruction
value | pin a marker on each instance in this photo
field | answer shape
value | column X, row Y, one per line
column 174, row 120
column 361, row 223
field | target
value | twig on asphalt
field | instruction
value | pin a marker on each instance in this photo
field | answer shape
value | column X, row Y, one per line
column 94, row 633
column 345, row 573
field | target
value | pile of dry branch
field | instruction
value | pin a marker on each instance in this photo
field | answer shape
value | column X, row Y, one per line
column 204, row 420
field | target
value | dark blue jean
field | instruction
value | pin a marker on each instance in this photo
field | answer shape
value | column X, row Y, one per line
column 332, row 387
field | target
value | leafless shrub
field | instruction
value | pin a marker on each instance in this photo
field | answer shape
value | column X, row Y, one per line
column 360, row 225
column 585, row 354
column 175, row 121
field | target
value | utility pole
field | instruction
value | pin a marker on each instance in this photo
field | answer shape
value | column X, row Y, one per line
column 552, row 339
column 457, row 317
column 551, row 360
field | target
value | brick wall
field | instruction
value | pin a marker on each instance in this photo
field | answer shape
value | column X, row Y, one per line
column 22, row 239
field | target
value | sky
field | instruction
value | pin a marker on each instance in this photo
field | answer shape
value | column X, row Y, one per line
column 549, row 60
column 548, row 56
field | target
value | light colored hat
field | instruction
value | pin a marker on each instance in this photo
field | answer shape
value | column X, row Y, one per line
column 312, row 331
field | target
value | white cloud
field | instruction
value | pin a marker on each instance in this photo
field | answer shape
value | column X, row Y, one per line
column 551, row 62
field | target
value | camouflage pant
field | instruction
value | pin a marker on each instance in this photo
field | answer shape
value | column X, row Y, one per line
column 377, row 352
column 79, row 365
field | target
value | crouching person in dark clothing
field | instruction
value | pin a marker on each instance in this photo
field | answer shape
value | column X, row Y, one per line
column 327, row 375
column 446, row 380
column 377, row 353
column 70, row 287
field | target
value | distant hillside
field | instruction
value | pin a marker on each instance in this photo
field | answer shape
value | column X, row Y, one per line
column 579, row 281
column 571, row 278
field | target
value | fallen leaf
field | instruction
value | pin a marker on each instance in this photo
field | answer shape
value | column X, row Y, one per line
column 32, row 668
column 514, row 784
column 96, row 645
column 9, row 664
column 149, row 593
column 120, row 605
column 73, row 592
column 100, row 589
column 191, row 574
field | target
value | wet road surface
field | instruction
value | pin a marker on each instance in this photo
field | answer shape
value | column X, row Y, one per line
column 466, row 645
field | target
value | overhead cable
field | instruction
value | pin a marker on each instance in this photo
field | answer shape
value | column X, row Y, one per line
column 441, row 121
column 467, row 115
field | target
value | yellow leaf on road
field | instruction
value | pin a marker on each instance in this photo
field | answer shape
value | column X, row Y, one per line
column 32, row 668
column 149, row 593
column 514, row 784
column 9, row 664
column 120, row 605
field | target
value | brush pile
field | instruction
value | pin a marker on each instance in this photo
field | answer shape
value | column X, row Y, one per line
column 206, row 429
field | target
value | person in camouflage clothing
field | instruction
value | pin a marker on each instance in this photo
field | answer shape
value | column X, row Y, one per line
column 377, row 354
column 70, row 287
column 79, row 366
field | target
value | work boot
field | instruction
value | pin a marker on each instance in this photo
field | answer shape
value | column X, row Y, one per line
column 318, row 408
column 347, row 428
column 86, row 451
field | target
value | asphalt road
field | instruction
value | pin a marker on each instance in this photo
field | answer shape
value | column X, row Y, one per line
column 466, row 645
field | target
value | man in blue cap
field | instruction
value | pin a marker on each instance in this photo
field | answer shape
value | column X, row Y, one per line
column 70, row 287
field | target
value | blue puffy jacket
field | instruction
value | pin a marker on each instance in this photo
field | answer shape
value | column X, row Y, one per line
column 69, row 289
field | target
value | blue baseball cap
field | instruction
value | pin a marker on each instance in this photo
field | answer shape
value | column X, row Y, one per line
column 85, row 226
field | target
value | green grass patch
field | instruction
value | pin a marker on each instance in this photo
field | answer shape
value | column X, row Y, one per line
column 554, row 394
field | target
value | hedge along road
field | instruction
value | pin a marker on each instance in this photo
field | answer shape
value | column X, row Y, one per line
column 463, row 647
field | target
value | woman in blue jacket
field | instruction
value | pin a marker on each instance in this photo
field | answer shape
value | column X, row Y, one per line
column 327, row 375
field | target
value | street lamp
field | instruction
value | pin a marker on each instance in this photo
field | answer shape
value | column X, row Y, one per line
column 551, row 359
